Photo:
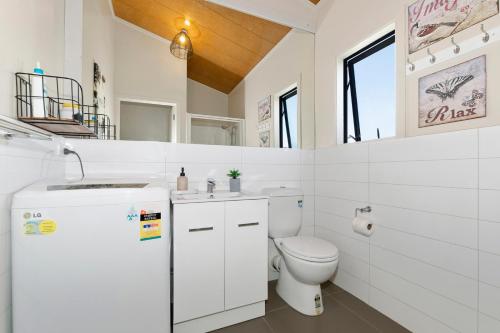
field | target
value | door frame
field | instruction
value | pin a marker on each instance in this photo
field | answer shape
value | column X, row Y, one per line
column 240, row 121
column 174, row 118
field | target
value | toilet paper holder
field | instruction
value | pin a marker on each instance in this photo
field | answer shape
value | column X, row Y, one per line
column 366, row 209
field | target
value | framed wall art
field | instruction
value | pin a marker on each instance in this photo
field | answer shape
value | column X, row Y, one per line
column 265, row 139
column 430, row 21
column 265, row 109
column 454, row 94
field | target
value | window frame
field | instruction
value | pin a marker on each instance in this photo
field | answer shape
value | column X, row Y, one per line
column 349, row 84
column 283, row 116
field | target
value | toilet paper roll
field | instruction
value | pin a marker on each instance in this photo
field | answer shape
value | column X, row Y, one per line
column 362, row 226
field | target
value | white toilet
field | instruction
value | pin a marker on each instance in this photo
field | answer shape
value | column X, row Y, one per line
column 304, row 262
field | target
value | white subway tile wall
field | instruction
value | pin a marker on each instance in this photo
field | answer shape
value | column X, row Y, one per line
column 259, row 167
column 489, row 230
column 433, row 262
column 22, row 162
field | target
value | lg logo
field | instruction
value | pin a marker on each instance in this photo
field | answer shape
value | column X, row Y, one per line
column 35, row 215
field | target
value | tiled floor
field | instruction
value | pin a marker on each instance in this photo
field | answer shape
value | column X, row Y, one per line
column 343, row 313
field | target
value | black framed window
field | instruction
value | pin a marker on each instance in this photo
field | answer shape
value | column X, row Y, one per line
column 370, row 91
column 288, row 116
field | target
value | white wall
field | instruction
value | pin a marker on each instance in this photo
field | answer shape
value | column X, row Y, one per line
column 202, row 99
column 291, row 61
column 22, row 163
column 337, row 37
column 347, row 24
column 73, row 39
column 30, row 31
column 98, row 46
column 433, row 261
column 146, row 70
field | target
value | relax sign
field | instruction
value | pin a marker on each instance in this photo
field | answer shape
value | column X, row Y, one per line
column 454, row 94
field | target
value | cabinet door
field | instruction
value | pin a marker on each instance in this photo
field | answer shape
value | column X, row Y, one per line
column 198, row 234
column 246, row 252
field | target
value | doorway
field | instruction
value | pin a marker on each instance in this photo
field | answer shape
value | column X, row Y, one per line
column 144, row 121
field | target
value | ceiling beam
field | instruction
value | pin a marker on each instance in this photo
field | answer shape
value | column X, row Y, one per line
column 300, row 14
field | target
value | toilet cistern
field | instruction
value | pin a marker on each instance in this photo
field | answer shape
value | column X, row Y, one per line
column 210, row 185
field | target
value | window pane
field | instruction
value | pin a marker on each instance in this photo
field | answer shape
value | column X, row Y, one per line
column 371, row 111
column 350, row 123
column 291, row 105
column 290, row 100
column 284, row 137
column 376, row 92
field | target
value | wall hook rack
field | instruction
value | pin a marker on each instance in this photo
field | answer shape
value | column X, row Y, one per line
column 456, row 50
column 432, row 57
column 411, row 66
column 486, row 36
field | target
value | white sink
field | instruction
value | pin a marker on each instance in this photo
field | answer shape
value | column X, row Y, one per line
column 204, row 195
column 216, row 196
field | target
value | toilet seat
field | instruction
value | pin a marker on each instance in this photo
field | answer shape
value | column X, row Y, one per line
column 309, row 249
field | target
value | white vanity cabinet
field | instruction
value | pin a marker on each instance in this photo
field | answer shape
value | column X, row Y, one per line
column 245, row 252
column 198, row 260
column 219, row 263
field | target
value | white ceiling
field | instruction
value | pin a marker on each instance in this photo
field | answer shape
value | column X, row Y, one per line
column 300, row 14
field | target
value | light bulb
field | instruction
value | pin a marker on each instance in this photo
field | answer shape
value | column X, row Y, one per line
column 182, row 39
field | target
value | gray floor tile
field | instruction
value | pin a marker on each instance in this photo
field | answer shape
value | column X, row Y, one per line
column 274, row 302
column 329, row 288
column 369, row 314
column 336, row 318
column 344, row 313
column 258, row 325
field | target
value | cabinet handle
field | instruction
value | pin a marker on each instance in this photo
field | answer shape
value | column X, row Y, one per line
column 248, row 224
column 201, row 229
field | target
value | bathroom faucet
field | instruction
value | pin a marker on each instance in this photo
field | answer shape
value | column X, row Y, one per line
column 210, row 185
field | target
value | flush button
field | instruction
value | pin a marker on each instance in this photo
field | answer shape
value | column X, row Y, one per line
column 300, row 203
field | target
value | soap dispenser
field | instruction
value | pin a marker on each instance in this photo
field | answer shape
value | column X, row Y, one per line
column 182, row 181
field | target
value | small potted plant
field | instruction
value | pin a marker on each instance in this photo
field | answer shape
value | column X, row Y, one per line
column 234, row 180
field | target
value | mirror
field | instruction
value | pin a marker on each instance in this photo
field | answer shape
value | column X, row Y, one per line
column 248, row 81
column 234, row 90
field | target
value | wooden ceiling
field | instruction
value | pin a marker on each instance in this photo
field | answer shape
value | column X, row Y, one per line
column 227, row 44
column 315, row 1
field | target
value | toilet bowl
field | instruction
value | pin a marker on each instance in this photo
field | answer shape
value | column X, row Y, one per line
column 304, row 263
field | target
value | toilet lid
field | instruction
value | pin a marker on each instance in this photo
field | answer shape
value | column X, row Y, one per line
column 310, row 248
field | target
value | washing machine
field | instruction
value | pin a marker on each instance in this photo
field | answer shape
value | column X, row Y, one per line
column 91, row 257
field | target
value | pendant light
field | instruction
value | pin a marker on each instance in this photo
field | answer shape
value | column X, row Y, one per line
column 181, row 45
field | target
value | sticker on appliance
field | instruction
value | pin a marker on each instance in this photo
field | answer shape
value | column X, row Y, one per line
column 40, row 227
column 132, row 215
column 150, row 226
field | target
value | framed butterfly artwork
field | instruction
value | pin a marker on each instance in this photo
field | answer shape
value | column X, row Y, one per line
column 454, row 94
